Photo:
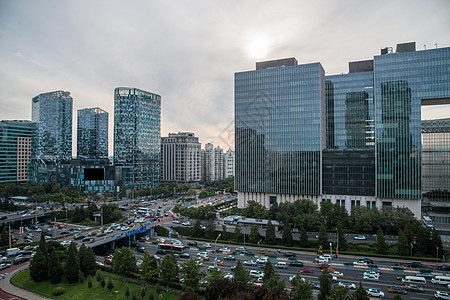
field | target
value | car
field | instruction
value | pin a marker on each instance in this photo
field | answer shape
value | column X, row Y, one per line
column 229, row 276
column 414, row 288
column 441, row 295
column 415, row 265
column 202, row 226
column 444, row 268
column 211, row 268
column 256, row 273
column 225, row 249
column 398, row 266
column 78, row 236
column 289, row 254
column 347, row 284
column 425, row 275
column 337, row 274
column 372, row 273
column 141, row 249
column 250, row 263
column 306, row 271
column 88, row 240
column 186, row 223
column 397, row 289
column 400, row 277
column 295, row 263
column 281, row 265
column 161, row 251
column 371, row 277
column 360, row 237
column 176, row 222
column 206, row 246
column 291, row 278
column 192, row 244
column 257, row 284
column 264, row 251
column 240, row 249
column 323, row 266
column 375, row 293
column 262, row 260
column 271, row 254
column 184, row 255
column 229, row 257
column 108, row 261
column 7, row 265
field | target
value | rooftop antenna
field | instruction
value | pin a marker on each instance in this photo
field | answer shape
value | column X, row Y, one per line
column 436, row 45
column 425, row 46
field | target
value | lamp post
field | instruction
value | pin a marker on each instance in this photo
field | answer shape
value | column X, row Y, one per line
column 437, row 256
column 215, row 243
column 410, row 249
column 259, row 246
column 331, row 249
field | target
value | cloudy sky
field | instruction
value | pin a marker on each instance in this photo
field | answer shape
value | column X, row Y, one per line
column 188, row 51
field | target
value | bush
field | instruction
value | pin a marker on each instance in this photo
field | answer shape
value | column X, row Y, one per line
column 162, row 231
column 58, row 291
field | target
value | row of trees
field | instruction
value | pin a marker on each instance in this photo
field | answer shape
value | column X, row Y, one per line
column 52, row 261
column 111, row 213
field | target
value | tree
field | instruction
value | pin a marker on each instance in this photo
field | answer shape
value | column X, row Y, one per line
column 110, row 285
column 4, row 237
column 270, row 233
column 241, row 276
column 255, row 210
column 338, row 292
column 224, row 233
column 143, row 291
column 124, row 262
column 268, row 271
column 103, row 283
column 189, row 295
column 168, row 270
column 322, row 239
column 360, row 293
column 210, row 231
column 216, row 274
column 423, row 242
column 222, row 288
column 192, row 274
column 287, row 239
column 380, row 246
column 89, row 284
column 325, row 284
column 197, row 229
column 43, row 245
column 342, row 242
column 99, row 276
column 304, row 242
column 436, row 242
column 254, row 235
column 149, row 268
column 55, row 269
column 87, row 260
column 237, row 234
column 39, row 266
column 402, row 244
column 397, row 297
column 301, row 290
column 72, row 270
column 127, row 291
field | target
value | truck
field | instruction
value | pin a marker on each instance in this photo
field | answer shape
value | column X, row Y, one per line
column 12, row 251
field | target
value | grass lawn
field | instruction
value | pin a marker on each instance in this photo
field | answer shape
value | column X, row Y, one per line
column 81, row 291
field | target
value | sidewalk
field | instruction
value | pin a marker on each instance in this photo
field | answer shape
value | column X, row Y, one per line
column 17, row 293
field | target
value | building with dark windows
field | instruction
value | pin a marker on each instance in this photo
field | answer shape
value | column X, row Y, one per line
column 353, row 139
column 16, row 138
column 436, row 169
column 180, row 158
column 137, row 136
column 52, row 113
column 92, row 133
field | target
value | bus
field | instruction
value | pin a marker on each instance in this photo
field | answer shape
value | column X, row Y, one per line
column 172, row 248
column 441, row 280
column 427, row 222
column 414, row 279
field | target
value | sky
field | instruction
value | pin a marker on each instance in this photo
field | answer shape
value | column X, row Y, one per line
column 188, row 51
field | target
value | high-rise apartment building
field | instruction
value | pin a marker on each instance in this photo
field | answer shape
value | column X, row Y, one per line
column 180, row 158
column 137, row 136
column 218, row 163
column 16, row 138
column 92, row 133
column 207, row 160
column 228, row 164
column 52, row 113
column 353, row 139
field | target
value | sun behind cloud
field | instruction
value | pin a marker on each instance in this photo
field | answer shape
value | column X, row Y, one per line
column 258, row 47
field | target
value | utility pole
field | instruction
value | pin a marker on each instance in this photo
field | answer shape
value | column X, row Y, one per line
column 9, row 234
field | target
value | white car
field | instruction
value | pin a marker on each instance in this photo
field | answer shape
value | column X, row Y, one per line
column 176, row 222
column 186, row 223
column 229, row 276
column 337, row 274
column 261, row 260
column 250, row 263
column 256, row 273
column 441, row 295
column 350, row 285
column 207, row 245
column 375, row 293
column 225, row 249
column 281, row 265
column 293, row 276
column 360, row 237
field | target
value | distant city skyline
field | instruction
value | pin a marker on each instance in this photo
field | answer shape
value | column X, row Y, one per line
column 90, row 48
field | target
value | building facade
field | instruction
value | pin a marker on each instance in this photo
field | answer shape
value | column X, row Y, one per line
column 92, row 133
column 353, row 139
column 16, row 138
column 218, row 163
column 52, row 113
column 180, row 158
column 207, row 161
column 228, row 164
column 137, row 136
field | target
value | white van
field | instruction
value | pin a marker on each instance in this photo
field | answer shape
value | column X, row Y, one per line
column 414, row 279
column 281, row 265
column 441, row 280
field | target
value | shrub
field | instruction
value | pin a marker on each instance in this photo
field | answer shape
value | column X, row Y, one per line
column 58, row 291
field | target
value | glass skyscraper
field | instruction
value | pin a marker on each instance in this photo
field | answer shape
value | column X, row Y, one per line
column 137, row 136
column 16, row 138
column 92, row 133
column 353, row 139
column 53, row 114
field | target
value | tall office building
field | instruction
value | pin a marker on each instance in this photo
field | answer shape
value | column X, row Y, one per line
column 180, row 158
column 52, row 112
column 16, row 138
column 92, row 133
column 353, row 139
column 137, row 136
column 228, row 164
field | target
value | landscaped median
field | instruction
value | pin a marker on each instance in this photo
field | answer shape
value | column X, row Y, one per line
column 82, row 291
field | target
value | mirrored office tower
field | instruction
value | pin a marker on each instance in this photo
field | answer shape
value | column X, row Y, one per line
column 53, row 114
column 137, row 136
column 92, row 133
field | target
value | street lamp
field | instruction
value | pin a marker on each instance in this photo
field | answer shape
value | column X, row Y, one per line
column 259, row 245
column 215, row 243
column 410, row 248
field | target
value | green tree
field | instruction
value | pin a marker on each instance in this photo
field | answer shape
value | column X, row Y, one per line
column 124, row 262
column 270, row 233
column 325, row 284
column 168, row 270
column 149, row 268
column 397, row 297
column 241, row 276
column 341, row 236
column 143, row 289
column 436, row 242
column 271, row 280
column 4, row 237
column 197, row 229
column 89, row 284
column 86, row 257
column 287, row 239
column 192, row 274
column 422, row 242
column 338, row 292
column 254, row 235
column 224, row 233
column 323, row 239
column 304, row 242
column 216, row 274
column 301, row 290
column 43, row 245
column 110, row 286
column 360, row 293
column 72, row 270
column 103, row 283
column 268, row 271
column 55, row 269
column 210, row 231
column 39, row 266
column 402, row 244
column 127, row 291
column 255, row 210
column 380, row 246
column 238, row 236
